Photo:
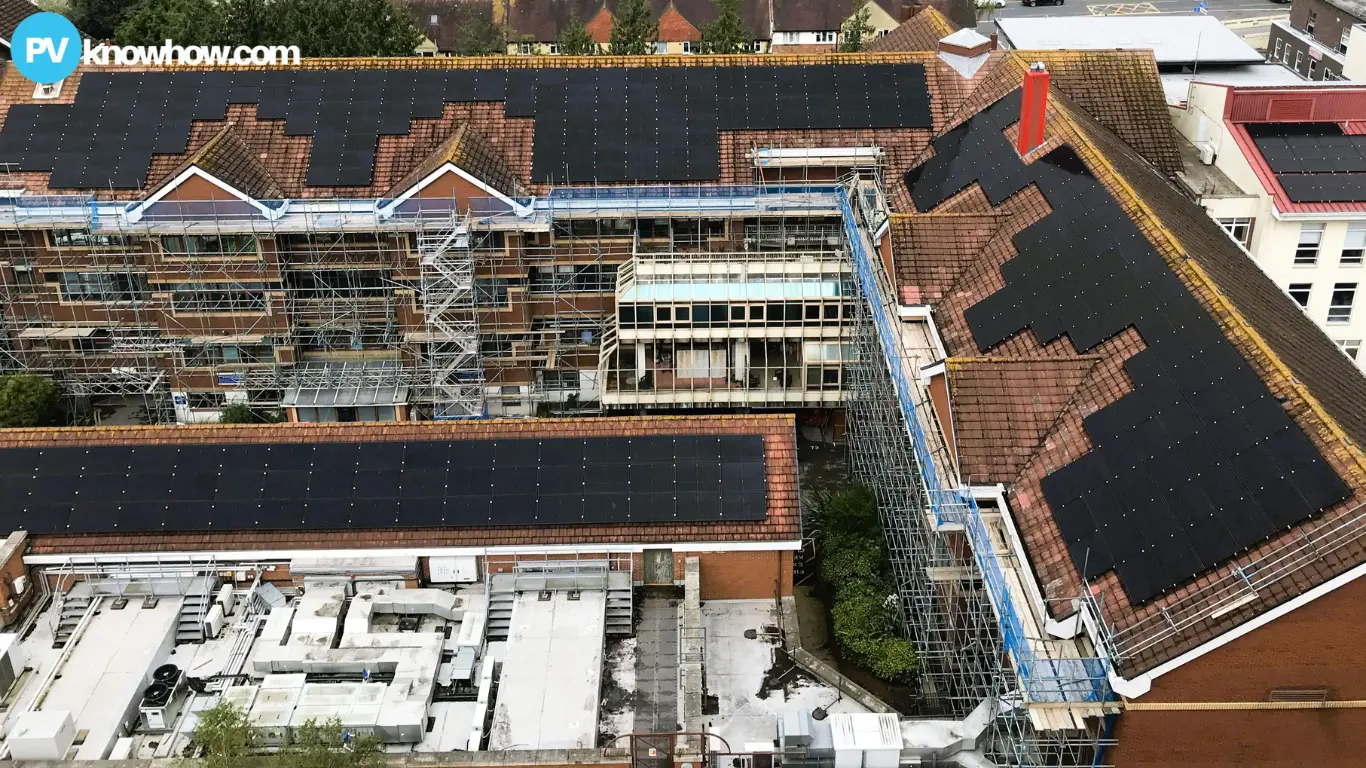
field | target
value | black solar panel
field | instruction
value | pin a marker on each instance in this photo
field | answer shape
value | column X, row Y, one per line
column 1314, row 162
column 601, row 124
column 659, row 478
column 1198, row 462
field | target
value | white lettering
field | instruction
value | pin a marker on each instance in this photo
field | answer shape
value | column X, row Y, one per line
column 36, row 45
column 170, row 53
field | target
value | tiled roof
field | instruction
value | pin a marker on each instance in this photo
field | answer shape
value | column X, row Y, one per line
column 819, row 15
column 1320, row 389
column 450, row 15
column 673, row 28
column 11, row 13
column 1003, row 408
column 227, row 157
column 921, row 32
column 470, row 151
column 783, row 523
column 932, row 249
column 543, row 20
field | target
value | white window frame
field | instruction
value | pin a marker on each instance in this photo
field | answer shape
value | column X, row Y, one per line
column 1307, row 249
column 660, row 47
column 827, row 37
column 1350, row 347
column 689, row 46
column 1354, row 245
column 1231, row 226
column 526, row 49
column 1342, row 42
column 1309, row 23
column 1312, row 66
column 552, row 48
column 1299, row 59
column 1280, row 46
column 1298, row 290
column 1340, row 312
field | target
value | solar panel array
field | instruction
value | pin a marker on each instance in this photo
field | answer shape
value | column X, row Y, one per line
column 337, row 486
column 604, row 124
column 1199, row 462
column 1314, row 162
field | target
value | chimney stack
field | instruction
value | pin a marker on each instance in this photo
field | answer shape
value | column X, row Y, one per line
column 1032, row 108
column 994, row 44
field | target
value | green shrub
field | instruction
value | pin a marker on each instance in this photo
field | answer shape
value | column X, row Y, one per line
column 852, row 557
column 27, row 401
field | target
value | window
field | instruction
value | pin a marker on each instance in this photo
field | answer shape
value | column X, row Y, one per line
column 826, row 37
column 1329, row 74
column 1350, row 347
column 230, row 354
column 1354, row 245
column 786, row 38
column 883, row 32
column 1300, row 293
column 1239, row 229
column 205, row 399
column 1340, row 308
column 558, row 381
column 80, row 238
column 1309, row 22
column 1342, row 41
column 209, row 245
column 1307, row 252
column 512, row 396
column 570, row 278
column 552, row 48
column 661, row 47
column 218, row 297
column 1280, row 44
column 103, row 287
column 526, row 49
column 1313, row 67
column 1299, row 59
column 689, row 47
column 493, row 291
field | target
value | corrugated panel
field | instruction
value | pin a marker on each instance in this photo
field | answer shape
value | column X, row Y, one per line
column 1296, row 105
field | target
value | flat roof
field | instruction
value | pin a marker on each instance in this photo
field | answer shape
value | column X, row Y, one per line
column 1176, row 85
column 1173, row 38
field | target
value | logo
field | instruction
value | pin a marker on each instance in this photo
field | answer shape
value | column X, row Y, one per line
column 46, row 48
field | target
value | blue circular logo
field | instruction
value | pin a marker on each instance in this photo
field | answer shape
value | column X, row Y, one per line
column 46, row 47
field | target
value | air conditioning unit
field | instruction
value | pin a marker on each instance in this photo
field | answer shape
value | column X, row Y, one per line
column 213, row 621
column 161, row 701
column 227, row 598
column 1206, row 152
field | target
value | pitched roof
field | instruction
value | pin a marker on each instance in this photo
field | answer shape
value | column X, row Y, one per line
column 1003, row 408
column 226, row 157
column 1121, row 89
column 674, row 28
column 819, row 15
column 450, row 15
column 1313, row 384
column 11, row 13
column 932, row 249
column 470, row 151
column 921, row 32
column 782, row 523
column 543, row 20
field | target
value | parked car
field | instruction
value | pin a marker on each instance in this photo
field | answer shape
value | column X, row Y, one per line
column 1032, row 3
column 991, row 3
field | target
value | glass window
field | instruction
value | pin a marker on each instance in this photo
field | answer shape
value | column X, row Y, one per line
column 1300, row 293
column 1299, row 59
column 661, row 47
column 103, row 287
column 1307, row 252
column 1350, row 346
column 570, row 278
column 1355, row 243
column 1309, row 22
column 80, row 238
column 218, row 297
column 1340, row 308
column 559, row 381
column 1276, row 56
column 1342, row 41
column 209, row 245
column 204, row 399
column 1239, row 229
column 1313, row 68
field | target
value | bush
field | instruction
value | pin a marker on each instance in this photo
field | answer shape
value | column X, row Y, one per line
column 853, row 562
column 27, row 401
column 241, row 413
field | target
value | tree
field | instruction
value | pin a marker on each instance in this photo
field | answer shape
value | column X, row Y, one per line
column 575, row 40
column 241, row 413
column 246, row 22
column 328, row 745
column 225, row 736
column 99, row 18
column 185, row 22
column 728, row 33
column 857, row 28
column 27, row 400
column 342, row 27
column 475, row 32
column 633, row 29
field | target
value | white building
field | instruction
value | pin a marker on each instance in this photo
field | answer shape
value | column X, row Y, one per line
column 1287, row 179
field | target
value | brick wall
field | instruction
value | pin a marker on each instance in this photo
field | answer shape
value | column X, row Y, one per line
column 1329, row 20
column 740, row 575
column 1319, row 645
column 12, row 553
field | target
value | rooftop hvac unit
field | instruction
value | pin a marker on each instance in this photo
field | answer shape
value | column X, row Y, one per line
column 227, row 598
column 1206, row 152
column 213, row 622
column 162, row 699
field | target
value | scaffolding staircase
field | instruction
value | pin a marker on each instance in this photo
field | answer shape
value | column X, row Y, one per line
column 448, row 298
column 193, row 608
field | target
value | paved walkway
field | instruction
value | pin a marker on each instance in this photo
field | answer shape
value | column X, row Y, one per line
column 656, row 695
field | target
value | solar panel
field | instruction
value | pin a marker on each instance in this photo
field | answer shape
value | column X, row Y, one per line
column 1198, row 418
column 601, row 124
column 328, row 486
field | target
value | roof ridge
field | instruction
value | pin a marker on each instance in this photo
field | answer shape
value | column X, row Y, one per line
column 1057, row 417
